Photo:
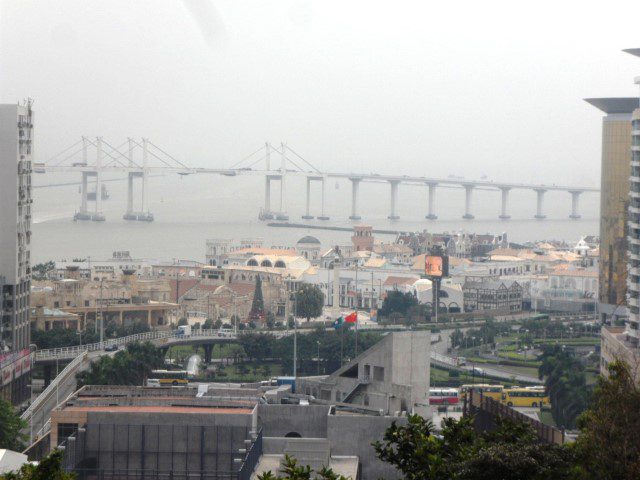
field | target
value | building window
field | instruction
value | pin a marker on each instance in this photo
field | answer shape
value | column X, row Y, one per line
column 378, row 374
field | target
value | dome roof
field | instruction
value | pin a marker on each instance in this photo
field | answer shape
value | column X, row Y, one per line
column 309, row 239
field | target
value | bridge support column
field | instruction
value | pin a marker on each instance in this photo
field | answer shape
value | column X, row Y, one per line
column 267, row 194
column 98, row 216
column 432, row 202
column 467, row 204
column 145, row 177
column 394, row 200
column 129, row 211
column 208, row 349
column 575, row 204
column 322, row 215
column 283, row 171
column 540, row 203
column 505, row 198
column 307, row 215
column 48, row 372
column 84, row 214
column 355, row 186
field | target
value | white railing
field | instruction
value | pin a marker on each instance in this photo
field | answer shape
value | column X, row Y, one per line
column 71, row 352
column 438, row 357
column 63, row 375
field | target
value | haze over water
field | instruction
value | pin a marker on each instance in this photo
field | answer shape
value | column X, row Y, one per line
column 188, row 210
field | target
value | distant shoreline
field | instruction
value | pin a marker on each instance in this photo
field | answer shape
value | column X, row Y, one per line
column 327, row 227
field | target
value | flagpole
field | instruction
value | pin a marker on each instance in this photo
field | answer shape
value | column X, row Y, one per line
column 356, row 336
column 341, row 343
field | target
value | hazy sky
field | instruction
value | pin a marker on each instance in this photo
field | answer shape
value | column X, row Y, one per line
column 430, row 88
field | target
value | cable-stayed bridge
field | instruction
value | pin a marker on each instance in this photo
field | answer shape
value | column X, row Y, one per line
column 92, row 159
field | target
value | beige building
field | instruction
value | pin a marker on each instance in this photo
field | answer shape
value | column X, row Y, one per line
column 46, row 319
column 127, row 301
column 614, row 202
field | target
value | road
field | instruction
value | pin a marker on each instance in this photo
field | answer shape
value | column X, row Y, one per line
column 65, row 388
column 504, row 373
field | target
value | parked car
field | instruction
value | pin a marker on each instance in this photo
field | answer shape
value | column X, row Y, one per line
column 111, row 348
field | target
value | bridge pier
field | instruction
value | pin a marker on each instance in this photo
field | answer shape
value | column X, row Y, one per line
column 322, row 216
column 540, row 202
column 575, row 204
column 307, row 215
column 505, row 198
column 432, row 201
column 48, row 372
column 394, row 199
column 467, row 204
column 143, row 215
column 98, row 216
column 208, row 349
column 355, row 187
column 283, row 170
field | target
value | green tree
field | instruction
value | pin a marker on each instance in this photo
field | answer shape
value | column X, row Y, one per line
column 40, row 270
column 49, row 468
column 257, row 306
column 257, row 346
column 608, row 446
column 511, row 451
column 397, row 302
column 566, row 382
column 11, row 426
column 292, row 471
column 129, row 367
column 309, row 301
column 271, row 320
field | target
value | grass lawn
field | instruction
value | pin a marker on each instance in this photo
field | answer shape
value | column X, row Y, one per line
column 253, row 372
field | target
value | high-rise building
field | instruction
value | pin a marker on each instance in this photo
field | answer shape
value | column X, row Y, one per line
column 633, row 297
column 614, row 203
column 16, row 149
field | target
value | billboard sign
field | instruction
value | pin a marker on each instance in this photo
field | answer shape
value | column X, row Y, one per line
column 436, row 266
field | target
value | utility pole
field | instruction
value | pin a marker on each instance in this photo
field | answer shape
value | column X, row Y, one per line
column 371, row 306
column 318, row 356
column 295, row 334
column 101, row 317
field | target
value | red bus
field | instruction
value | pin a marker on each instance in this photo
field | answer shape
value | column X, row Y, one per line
column 444, row 396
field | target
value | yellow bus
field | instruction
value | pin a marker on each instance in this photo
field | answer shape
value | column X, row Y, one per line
column 491, row 391
column 168, row 378
column 525, row 397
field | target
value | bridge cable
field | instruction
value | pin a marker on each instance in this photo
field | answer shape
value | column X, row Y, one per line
column 301, row 158
column 171, row 157
column 64, row 151
column 156, row 156
column 246, row 158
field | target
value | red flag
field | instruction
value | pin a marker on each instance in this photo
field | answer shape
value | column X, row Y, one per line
column 351, row 318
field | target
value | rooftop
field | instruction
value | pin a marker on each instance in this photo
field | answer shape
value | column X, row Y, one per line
column 614, row 105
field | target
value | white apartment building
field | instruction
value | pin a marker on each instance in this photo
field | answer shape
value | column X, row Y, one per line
column 16, row 127
column 16, row 149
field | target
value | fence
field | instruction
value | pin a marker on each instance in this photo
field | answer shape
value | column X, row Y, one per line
column 485, row 410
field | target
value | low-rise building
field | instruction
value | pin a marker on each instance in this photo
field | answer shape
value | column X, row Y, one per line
column 500, row 295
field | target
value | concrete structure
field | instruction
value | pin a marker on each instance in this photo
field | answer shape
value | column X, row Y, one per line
column 614, row 203
column 227, row 431
column 392, row 376
column 16, row 153
column 11, row 461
